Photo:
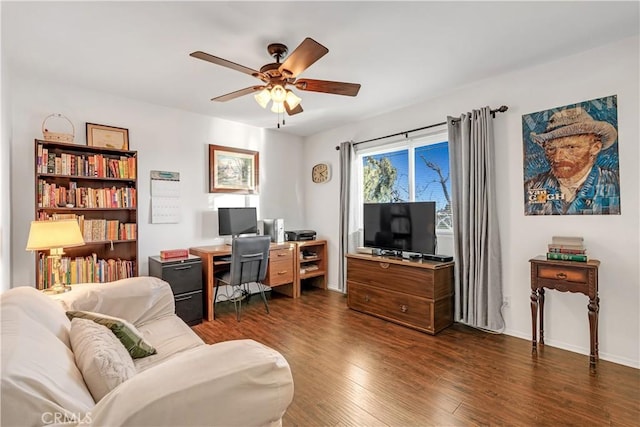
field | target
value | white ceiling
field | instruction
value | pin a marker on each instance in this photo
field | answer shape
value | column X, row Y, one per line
column 401, row 52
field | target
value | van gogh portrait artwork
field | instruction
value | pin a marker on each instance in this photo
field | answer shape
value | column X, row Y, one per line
column 571, row 164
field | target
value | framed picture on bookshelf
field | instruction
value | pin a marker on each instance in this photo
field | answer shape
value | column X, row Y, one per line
column 107, row 136
column 233, row 170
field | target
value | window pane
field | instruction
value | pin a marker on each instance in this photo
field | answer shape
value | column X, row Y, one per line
column 432, row 180
column 386, row 177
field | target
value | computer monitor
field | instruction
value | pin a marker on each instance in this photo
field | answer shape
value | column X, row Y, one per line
column 236, row 221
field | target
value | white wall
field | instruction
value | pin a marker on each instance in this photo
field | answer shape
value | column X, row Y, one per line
column 5, row 178
column 166, row 139
column 614, row 240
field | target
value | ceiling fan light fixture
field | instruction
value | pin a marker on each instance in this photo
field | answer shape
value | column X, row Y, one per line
column 277, row 107
column 292, row 100
column 278, row 94
column 263, row 97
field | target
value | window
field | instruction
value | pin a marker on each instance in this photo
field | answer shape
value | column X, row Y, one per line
column 412, row 170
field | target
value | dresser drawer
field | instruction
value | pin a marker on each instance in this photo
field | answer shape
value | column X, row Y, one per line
column 186, row 277
column 279, row 272
column 407, row 279
column 559, row 272
column 280, row 254
column 189, row 307
column 407, row 310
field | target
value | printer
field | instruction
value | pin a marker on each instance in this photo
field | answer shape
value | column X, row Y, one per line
column 298, row 235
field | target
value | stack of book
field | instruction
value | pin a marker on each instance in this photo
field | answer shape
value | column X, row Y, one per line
column 566, row 248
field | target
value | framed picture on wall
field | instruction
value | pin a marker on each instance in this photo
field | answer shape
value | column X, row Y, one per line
column 571, row 162
column 107, row 136
column 233, row 170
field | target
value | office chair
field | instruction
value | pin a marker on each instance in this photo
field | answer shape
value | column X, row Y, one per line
column 249, row 260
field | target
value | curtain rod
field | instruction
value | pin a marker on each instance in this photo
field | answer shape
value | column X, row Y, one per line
column 500, row 109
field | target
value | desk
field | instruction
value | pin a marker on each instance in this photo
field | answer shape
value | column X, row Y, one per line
column 280, row 272
column 565, row 276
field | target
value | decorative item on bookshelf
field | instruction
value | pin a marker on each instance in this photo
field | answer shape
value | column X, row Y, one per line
column 566, row 257
column 58, row 136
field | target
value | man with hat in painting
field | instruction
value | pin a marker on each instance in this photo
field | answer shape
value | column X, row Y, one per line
column 574, row 183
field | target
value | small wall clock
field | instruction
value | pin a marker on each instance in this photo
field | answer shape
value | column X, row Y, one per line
column 321, row 173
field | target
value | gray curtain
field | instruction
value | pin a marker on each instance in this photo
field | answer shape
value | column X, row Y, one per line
column 478, row 281
column 346, row 157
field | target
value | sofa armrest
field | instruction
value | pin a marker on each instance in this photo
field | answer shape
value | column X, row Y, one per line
column 138, row 300
column 232, row 383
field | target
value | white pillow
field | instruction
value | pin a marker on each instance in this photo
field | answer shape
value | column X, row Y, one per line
column 100, row 356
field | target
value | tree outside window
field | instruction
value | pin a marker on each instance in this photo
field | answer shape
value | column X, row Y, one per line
column 417, row 173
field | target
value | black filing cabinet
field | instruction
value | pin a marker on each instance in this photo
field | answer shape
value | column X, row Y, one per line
column 185, row 277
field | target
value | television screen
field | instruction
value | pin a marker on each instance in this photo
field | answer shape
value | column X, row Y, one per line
column 408, row 227
column 235, row 221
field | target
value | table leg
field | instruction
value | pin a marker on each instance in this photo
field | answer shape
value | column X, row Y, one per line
column 534, row 319
column 541, row 310
column 593, row 330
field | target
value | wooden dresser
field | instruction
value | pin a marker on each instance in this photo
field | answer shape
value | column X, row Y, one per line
column 417, row 294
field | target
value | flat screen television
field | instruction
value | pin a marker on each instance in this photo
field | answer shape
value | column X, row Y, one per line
column 406, row 227
column 236, row 221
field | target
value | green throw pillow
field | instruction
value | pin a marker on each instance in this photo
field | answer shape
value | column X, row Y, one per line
column 128, row 335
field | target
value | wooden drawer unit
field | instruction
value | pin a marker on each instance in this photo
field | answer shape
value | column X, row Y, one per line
column 280, row 270
column 417, row 294
column 397, row 307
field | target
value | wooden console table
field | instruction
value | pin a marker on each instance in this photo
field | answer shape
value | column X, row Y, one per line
column 565, row 276
column 215, row 259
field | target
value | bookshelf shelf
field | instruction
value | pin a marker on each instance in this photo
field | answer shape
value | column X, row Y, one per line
column 100, row 184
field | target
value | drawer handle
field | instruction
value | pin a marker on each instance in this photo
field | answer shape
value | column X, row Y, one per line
column 561, row 276
column 184, row 298
column 282, row 272
column 366, row 298
column 186, row 267
column 384, row 265
column 283, row 254
column 404, row 308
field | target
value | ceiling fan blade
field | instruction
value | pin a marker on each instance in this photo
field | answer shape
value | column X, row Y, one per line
column 326, row 86
column 292, row 111
column 308, row 52
column 237, row 94
column 219, row 61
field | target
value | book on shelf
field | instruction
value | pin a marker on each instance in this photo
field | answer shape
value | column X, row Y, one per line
column 566, row 257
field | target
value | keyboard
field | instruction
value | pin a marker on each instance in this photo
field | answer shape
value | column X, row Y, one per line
column 224, row 258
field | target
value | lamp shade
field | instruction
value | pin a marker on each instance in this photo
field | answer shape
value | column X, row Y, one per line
column 277, row 107
column 54, row 234
column 263, row 97
column 292, row 100
column 278, row 94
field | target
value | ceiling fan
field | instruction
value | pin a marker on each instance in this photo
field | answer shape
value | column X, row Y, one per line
column 277, row 76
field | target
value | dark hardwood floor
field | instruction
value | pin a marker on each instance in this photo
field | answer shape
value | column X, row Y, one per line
column 351, row 369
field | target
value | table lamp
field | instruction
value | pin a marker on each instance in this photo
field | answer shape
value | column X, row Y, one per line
column 55, row 236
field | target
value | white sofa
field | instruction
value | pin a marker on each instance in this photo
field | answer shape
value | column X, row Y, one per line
column 232, row 383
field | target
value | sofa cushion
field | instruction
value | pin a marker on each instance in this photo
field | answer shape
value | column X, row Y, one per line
column 129, row 336
column 39, row 374
column 41, row 309
column 170, row 336
column 138, row 300
column 102, row 359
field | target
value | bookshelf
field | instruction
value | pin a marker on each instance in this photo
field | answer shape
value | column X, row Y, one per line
column 98, row 187
column 311, row 264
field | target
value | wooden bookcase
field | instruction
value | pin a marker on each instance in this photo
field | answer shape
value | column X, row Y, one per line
column 98, row 187
column 311, row 264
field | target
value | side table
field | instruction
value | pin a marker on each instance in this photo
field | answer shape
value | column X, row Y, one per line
column 565, row 276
